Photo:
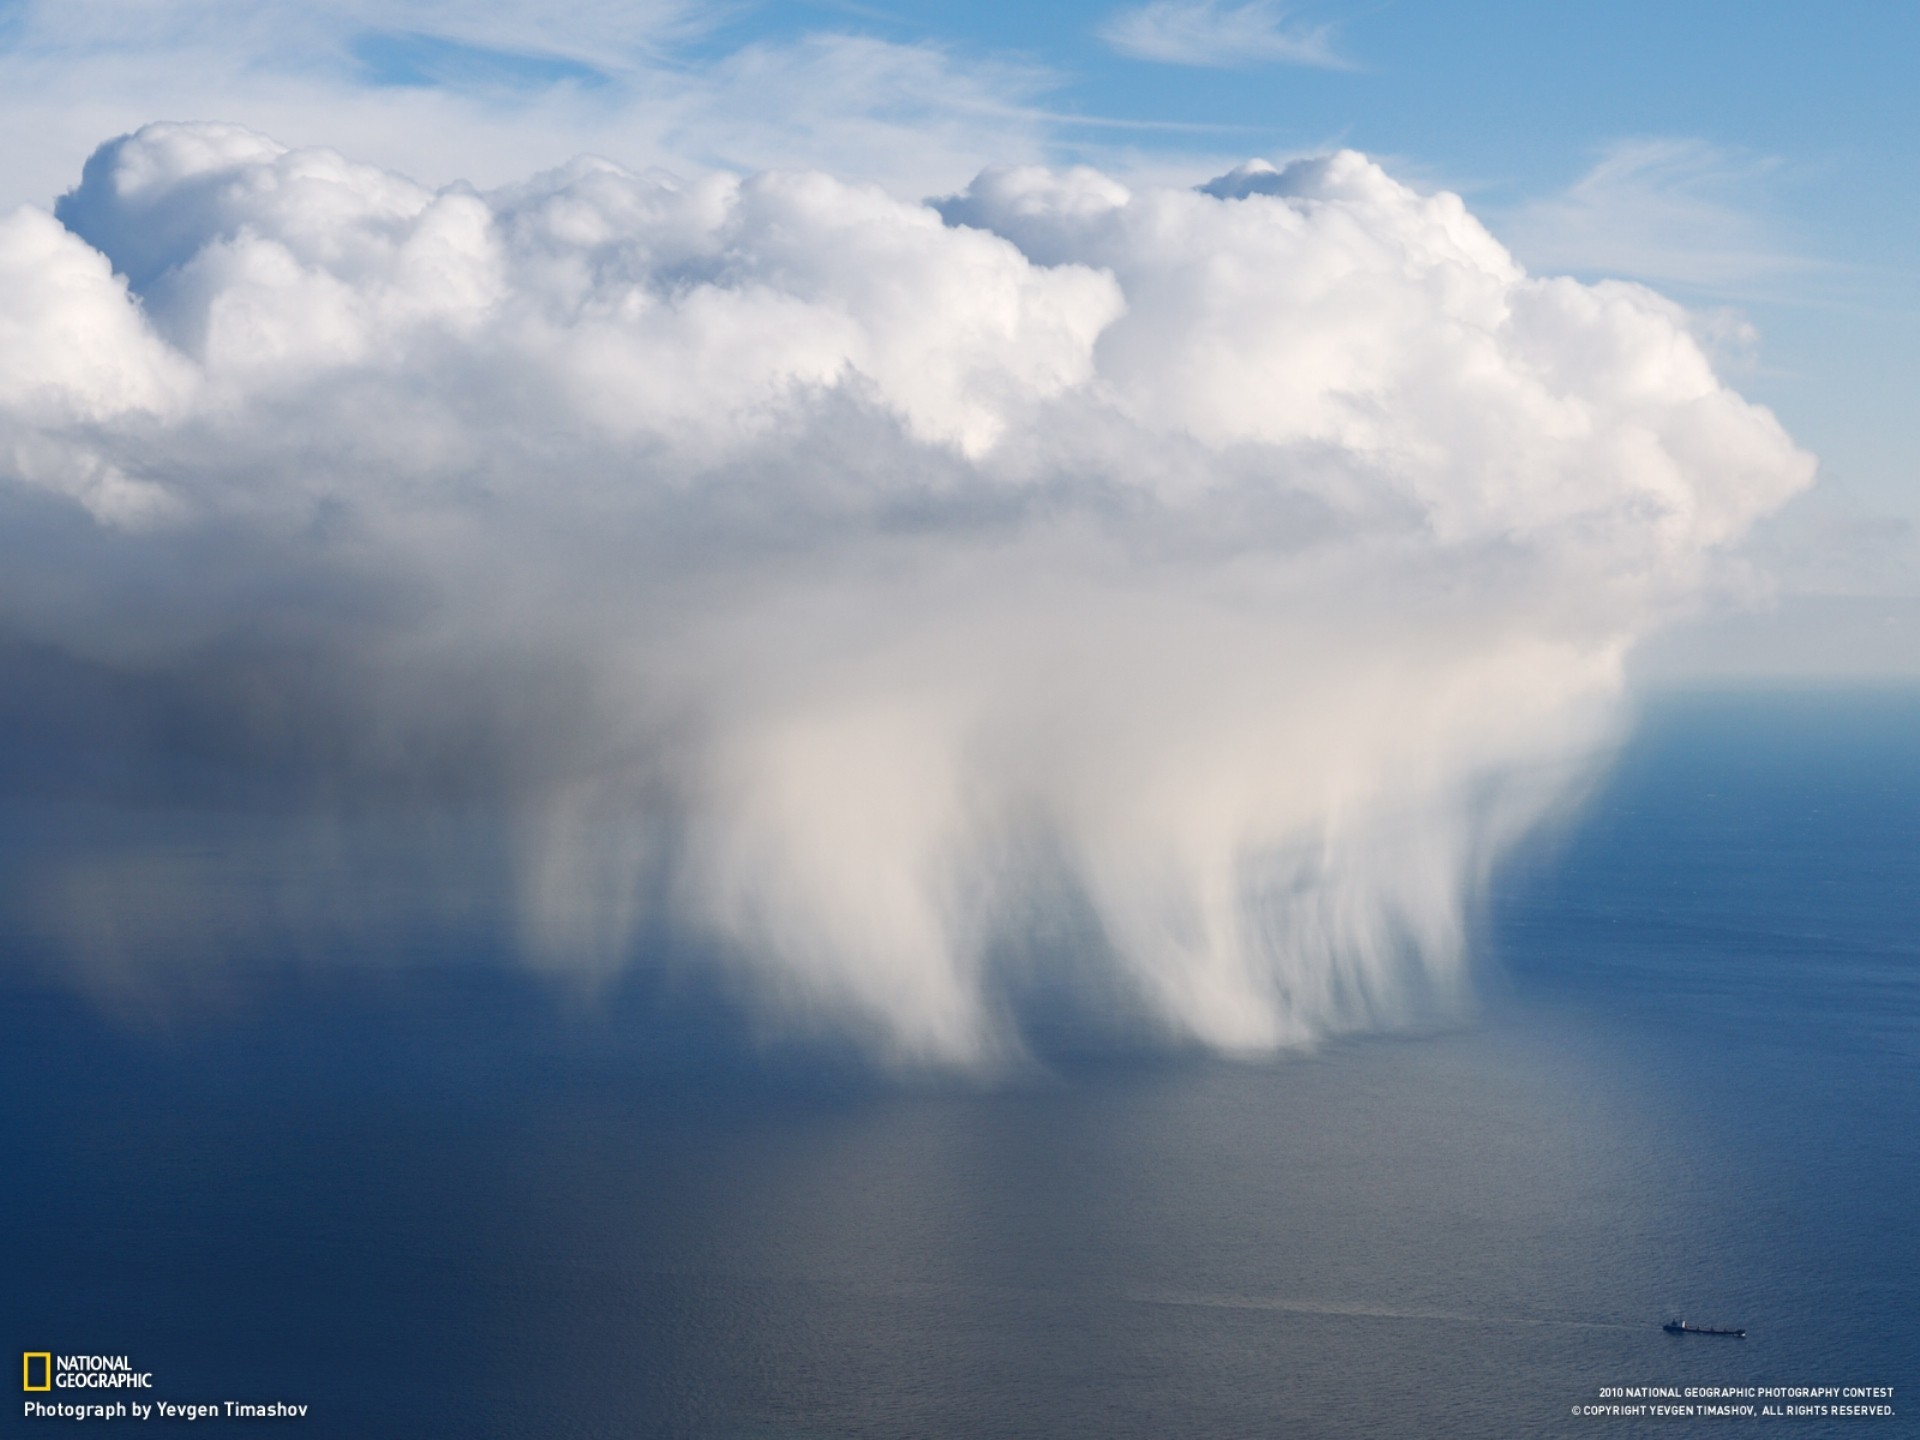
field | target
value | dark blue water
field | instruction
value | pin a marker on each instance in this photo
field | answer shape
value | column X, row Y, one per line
column 428, row 1195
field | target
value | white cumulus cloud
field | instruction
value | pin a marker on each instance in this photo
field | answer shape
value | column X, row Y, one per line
column 907, row 606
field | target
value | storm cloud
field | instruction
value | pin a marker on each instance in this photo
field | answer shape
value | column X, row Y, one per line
column 904, row 603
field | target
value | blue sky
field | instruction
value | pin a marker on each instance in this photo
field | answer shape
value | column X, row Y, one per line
column 1755, row 161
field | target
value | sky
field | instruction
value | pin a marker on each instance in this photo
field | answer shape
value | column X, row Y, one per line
column 1755, row 161
column 1152, row 503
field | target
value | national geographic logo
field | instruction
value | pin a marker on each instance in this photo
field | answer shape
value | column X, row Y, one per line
column 43, row 1370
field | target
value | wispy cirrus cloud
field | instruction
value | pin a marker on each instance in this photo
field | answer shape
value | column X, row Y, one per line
column 601, row 32
column 497, row 89
column 1206, row 33
column 1662, row 209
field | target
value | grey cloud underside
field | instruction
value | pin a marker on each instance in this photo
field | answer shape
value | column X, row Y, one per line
column 856, row 588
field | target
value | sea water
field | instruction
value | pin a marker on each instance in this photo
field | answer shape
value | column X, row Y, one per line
column 450, row 1198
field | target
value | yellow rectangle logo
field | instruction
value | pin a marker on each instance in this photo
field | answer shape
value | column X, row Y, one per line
column 45, row 1357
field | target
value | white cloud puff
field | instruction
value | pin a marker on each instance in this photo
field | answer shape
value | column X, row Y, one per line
column 1208, row 586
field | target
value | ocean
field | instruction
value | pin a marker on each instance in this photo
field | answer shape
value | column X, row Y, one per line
column 438, row 1195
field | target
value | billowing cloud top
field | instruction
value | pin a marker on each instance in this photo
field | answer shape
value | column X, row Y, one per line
column 1209, row 584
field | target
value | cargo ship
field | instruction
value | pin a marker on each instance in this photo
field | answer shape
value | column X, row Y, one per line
column 1681, row 1327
